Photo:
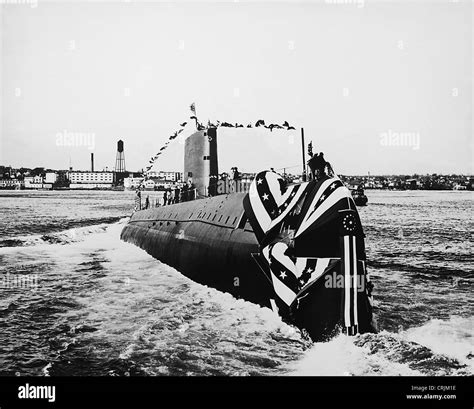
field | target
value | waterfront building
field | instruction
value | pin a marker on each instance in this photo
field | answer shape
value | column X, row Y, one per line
column 90, row 180
column 11, row 183
column 149, row 184
column 132, row 183
column 168, row 176
column 51, row 177
column 33, row 182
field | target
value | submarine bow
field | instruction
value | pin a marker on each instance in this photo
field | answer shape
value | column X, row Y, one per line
column 312, row 243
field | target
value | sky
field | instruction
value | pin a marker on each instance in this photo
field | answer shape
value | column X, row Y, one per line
column 378, row 86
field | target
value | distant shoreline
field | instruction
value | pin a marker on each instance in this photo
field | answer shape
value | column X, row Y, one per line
column 163, row 190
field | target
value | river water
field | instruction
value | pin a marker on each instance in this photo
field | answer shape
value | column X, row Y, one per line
column 75, row 300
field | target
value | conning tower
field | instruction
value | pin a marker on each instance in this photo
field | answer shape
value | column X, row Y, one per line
column 200, row 161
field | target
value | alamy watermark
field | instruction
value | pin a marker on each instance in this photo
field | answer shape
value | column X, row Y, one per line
column 32, row 3
column 67, row 138
column 21, row 281
column 28, row 391
column 335, row 280
column 404, row 139
column 359, row 3
column 232, row 186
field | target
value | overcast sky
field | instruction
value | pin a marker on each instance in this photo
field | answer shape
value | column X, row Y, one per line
column 353, row 75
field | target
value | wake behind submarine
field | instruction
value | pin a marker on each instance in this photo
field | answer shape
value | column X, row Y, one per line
column 295, row 248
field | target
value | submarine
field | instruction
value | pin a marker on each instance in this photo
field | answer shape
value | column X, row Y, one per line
column 297, row 248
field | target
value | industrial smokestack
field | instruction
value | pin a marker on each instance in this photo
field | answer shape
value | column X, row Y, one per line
column 92, row 162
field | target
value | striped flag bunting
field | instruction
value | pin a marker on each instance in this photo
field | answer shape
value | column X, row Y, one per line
column 323, row 204
column 291, row 274
column 269, row 201
column 350, row 269
column 316, row 204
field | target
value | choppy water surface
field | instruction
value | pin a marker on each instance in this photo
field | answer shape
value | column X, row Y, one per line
column 76, row 300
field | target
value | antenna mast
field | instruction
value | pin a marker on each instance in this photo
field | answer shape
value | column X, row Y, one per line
column 304, row 161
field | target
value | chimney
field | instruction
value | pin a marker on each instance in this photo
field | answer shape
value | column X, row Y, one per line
column 92, row 162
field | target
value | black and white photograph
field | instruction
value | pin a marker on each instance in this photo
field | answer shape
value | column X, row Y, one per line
column 204, row 198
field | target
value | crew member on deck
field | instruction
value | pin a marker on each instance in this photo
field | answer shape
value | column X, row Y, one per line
column 319, row 167
column 234, row 179
column 147, row 202
column 235, row 174
column 177, row 193
column 165, row 198
column 191, row 190
column 184, row 193
column 138, row 200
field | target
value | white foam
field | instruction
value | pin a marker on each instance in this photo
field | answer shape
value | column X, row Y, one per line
column 452, row 338
column 73, row 235
column 340, row 357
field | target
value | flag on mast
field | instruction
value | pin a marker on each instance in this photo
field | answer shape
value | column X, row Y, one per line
column 193, row 108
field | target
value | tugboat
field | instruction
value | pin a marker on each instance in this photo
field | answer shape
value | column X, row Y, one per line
column 297, row 248
column 359, row 196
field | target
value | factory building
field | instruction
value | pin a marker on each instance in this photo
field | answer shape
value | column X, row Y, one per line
column 90, row 180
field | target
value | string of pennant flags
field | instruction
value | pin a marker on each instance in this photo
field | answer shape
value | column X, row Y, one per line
column 201, row 127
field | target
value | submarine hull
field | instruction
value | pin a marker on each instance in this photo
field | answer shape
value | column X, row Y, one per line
column 208, row 240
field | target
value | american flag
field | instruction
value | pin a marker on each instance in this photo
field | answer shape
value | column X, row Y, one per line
column 322, row 204
column 319, row 203
column 269, row 201
column 289, row 274
column 193, row 108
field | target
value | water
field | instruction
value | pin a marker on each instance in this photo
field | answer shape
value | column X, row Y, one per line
column 75, row 300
